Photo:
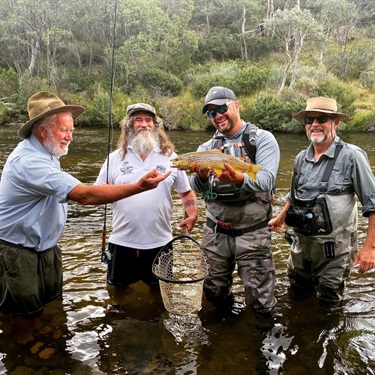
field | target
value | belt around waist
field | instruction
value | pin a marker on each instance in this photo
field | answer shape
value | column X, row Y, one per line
column 16, row 245
column 223, row 227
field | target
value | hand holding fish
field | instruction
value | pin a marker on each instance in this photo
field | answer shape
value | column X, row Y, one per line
column 231, row 175
column 203, row 173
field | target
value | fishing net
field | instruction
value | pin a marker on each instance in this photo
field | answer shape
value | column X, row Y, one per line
column 181, row 268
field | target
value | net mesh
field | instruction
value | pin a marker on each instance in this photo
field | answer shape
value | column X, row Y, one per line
column 181, row 269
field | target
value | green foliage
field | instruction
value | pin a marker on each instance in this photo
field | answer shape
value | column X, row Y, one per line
column 275, row 113
column 205, row 82
column 241, row 77
column 250, row 79
column 367, row 79
column 8, row 82
column 164, row 82
column 190, row 114
column 363, row 120
column 344, row 94
column 218, row 45
column 98, row 110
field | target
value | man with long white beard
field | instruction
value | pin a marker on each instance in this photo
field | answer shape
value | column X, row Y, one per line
column 141, row 227
column 322, row 208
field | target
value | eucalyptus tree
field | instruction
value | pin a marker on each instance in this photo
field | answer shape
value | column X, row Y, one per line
column 154, row 34
column 339, row 19
column 33, row 34
column 293, row 27
column 90, row 23
column 229, row 24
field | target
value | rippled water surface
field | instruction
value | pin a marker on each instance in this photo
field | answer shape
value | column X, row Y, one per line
column 77, row 336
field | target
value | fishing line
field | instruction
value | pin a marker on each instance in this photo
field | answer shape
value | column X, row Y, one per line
column 106, row 256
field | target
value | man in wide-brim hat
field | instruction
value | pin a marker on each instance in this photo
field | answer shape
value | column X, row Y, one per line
column 322, row 209
column 34, row 191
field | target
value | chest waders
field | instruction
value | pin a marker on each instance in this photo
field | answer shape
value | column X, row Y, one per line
column 225, row 194
column 311, row 217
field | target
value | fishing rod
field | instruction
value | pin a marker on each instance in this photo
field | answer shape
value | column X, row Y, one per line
column 106, row 255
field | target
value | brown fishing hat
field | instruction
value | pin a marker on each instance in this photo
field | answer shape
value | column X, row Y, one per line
column 45, row 103
column 140, row 107
column 321, row 104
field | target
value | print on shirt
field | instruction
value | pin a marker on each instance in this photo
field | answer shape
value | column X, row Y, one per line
column 126, row 168
column 161, row 168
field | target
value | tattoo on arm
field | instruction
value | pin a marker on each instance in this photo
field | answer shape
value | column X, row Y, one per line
column 191, row 202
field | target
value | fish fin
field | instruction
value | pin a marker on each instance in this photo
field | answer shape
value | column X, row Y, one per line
column 253, row 170
column 218, row 171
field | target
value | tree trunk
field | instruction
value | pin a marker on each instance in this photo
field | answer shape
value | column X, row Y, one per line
column 34, row 46
column 243, row 35
column 286, row 68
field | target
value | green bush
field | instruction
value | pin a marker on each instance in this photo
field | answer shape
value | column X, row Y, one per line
column 203, row 83
column 344, row 94
column 275, row 113
column 249, row 80
column 8, row 82
column 164, row 82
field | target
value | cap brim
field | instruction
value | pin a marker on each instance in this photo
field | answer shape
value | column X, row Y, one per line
column 301, row 114
column 25, row 130
column 214, row 102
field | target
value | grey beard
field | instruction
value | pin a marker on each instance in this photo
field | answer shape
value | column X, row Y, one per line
column 143, row 142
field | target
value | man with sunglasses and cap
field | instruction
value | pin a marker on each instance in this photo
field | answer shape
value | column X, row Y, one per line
column 321, row 207
column 34, row 192
column 238, row 208
column 141, row 226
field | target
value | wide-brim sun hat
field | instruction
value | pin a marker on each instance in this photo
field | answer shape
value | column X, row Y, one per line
column 218, row 95
column 323, row 105
column 45, row 103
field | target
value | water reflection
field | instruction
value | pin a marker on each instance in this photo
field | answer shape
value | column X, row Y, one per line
column 299, row 337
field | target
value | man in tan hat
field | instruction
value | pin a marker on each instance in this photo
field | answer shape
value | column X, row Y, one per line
column 321, row 206
column 34, row 191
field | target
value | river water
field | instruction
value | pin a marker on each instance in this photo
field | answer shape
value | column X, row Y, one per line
column 77, row 336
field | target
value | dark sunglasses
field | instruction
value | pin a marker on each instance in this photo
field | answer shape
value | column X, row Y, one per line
column 211, row 113
column 308, row 120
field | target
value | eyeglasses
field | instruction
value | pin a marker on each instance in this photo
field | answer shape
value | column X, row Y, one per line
column 211, row 113
column 308, row 120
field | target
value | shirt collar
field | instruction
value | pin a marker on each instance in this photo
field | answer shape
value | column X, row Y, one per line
column 330, row 152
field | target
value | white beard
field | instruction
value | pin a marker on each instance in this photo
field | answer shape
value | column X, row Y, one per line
column 143, row 142
column 52, row 147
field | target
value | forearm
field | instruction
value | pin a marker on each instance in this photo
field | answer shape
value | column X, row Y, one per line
column 102, row 194
column 370, row 238
column 189, row 201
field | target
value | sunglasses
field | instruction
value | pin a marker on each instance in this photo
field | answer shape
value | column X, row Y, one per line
column 211, row 113
column 308, row 120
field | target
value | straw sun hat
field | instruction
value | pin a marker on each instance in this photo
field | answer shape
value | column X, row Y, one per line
column 323, row 105
column 42, row 104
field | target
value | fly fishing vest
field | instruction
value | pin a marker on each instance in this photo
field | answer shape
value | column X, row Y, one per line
column 311, row 217
column 230, row 192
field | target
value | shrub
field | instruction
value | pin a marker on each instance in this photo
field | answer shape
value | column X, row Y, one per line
column 249, row 80
column 8, row 82
column 164, row 82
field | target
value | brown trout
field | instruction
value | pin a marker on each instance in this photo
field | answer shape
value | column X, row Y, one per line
column 214, row 159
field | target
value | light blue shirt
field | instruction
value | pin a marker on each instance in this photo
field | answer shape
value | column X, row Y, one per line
column 33, row 197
